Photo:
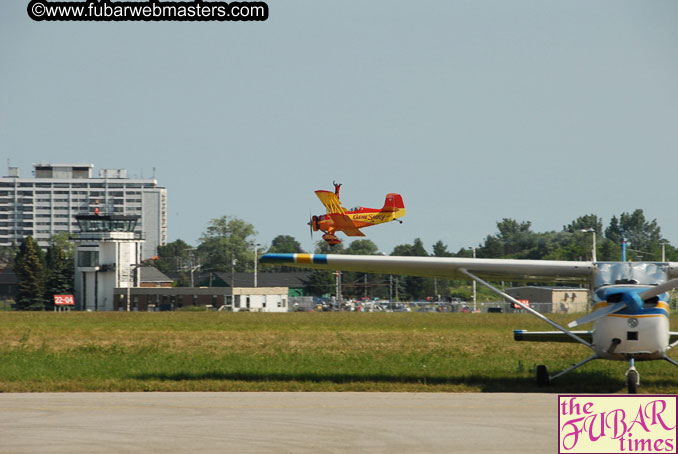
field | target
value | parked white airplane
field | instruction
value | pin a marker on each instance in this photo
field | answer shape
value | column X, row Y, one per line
column 631, row 302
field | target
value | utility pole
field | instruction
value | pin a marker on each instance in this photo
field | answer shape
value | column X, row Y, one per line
column 337, row 274
column 233, row 263
column 663, row 243
column 191, row 265
column 474, row 282
column 390, row 288
column 255, row 263
column 593, row 249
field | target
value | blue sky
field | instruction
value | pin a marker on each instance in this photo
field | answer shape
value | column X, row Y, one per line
column 474, row 111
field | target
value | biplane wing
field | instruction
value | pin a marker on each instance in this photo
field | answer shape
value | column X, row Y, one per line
column 331, row 202
column 345, row 224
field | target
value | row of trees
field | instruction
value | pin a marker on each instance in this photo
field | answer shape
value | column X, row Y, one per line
column 228, row 245
column 41, row 275
column 517, row 240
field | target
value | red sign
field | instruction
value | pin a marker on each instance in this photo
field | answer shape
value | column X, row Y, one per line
column 525, row 302
column 64, row 300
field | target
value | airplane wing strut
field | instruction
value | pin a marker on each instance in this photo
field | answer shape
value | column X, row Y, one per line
column 673, row 340
column 527, row 308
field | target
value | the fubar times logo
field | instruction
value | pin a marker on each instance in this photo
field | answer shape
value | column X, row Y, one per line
column 611, row 424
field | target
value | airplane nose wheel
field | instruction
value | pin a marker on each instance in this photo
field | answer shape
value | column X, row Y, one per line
column 632, row 378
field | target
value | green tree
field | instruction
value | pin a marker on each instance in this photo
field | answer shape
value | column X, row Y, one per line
column 321, row 247
column 174, row 256
column 589, row 221
column 58, row 273
column 580, row 244
column 358, row 285
column 323, row 282
column 416, row 249
column 362, row 247
column 285, row 244
column 63, row 241
column 30, row 273
column 441, row 286
column 440, row 250
column 414, row 287
column 7, row 254
column 643, row 236
column 227, row 242
column 514, row 240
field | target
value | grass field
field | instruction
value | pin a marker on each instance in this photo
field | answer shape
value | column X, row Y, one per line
column 196, row 351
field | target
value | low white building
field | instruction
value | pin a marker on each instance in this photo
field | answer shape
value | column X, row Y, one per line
column 259, row 299
column 238, row 299
column 553, row 299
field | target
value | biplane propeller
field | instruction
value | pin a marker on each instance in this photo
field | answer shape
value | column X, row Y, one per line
column 339, row 219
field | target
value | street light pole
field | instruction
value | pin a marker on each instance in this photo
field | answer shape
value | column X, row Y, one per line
column 663, row 243
column 473, row 250
column 233, row 263
column 255, row 263
column 130, row 283
column 593, row 249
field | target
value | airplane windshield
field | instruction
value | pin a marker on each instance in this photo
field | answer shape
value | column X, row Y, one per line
column 630, row 273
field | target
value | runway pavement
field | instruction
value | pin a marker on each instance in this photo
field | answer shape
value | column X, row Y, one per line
column 277, row 423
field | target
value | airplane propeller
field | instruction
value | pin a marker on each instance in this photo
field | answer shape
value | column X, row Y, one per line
column 659, row 289
column 632, row 299
column 595, row 315
column 310, row 224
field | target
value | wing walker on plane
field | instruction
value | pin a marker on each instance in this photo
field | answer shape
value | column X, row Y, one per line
column 630, row 301
column 339, row 219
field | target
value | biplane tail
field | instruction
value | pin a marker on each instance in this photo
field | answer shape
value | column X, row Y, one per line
column 393, row 203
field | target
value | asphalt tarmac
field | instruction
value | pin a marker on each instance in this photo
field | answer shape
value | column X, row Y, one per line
column 277, row 423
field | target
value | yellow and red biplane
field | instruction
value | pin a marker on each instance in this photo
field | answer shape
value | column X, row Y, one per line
column 339, row 219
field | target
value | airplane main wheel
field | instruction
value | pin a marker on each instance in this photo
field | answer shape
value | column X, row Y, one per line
column 632, row 379
column 542, row 376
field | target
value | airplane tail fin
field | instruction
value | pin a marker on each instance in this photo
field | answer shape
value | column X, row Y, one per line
column 393, row 203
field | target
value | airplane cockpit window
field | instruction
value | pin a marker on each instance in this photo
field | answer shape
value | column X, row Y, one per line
column 630, row 273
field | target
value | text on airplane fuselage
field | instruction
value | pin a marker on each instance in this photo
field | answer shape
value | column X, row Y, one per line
column 369, row 217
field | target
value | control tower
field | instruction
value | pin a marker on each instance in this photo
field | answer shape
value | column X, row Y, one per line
column 107, row 255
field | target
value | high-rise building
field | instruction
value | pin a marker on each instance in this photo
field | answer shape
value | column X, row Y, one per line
column 47, row 204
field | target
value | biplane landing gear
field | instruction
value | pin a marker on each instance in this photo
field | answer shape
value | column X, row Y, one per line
column 543, row 378
column 331, row 239
column 632, row 378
